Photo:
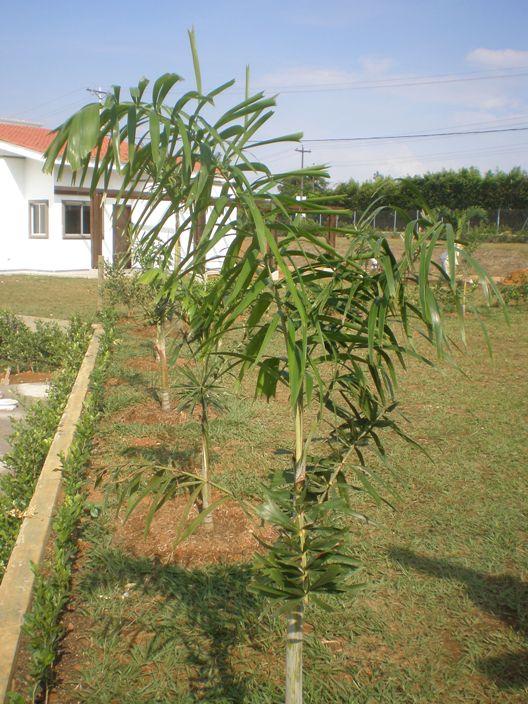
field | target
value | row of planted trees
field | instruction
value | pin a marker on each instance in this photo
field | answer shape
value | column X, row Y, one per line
column 457, row 190
column 306, row 317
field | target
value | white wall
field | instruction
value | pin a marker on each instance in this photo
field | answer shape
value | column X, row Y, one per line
column 22, row 180
column 13, row 210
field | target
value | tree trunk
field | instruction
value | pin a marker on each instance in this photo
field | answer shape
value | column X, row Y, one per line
column 162, row 351
column 206, row 487
column 294, row 656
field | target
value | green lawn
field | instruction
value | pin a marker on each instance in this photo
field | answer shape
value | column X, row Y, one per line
column 61, row 297
column 48, row 296
column 443, row 617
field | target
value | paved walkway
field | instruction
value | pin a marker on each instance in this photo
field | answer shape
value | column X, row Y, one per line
column 32, row 320
column 25, row 394
column 82, row 274
column 6, row 422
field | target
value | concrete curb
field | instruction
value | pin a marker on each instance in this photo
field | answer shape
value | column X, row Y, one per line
column 17, row 586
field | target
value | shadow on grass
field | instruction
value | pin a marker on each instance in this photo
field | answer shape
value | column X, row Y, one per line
column 503, row 596
column 201, row 616
column 164, row 456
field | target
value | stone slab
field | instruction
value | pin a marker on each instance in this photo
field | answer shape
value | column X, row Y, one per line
column 6, row 422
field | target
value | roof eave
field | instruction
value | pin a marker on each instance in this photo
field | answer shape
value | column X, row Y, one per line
column 21, row 151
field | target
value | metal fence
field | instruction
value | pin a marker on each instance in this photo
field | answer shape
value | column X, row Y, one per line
column 496, row 220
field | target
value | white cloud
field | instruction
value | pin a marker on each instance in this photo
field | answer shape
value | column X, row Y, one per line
column 305, row 77
column 375, row 66
column 498, row 58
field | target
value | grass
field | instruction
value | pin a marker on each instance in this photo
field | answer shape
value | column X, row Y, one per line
column 61, row 297
column 48, row 296
column 443, row 617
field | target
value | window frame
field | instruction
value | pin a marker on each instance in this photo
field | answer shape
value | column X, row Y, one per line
column 80, row 204
column 38, row 203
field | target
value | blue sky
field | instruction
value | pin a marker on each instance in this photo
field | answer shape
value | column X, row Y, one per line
column 340, row 70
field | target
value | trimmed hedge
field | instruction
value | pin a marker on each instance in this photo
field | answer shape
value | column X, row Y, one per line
column 32, row 438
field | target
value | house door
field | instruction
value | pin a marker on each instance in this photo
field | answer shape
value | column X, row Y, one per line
column 122, row 216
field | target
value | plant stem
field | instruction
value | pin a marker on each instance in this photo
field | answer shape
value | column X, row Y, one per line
column 299, row 458
column 162, row 351
column 206, row 488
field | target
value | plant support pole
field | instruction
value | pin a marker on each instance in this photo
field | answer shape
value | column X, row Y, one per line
column 206, row 488
column 294, row 655
column 162, row 351
column 294, row 642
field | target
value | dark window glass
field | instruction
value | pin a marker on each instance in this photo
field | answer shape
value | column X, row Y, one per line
column 72, row 219
column 86, row 220
column 76, row 220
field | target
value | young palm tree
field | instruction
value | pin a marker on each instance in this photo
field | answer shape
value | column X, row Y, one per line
column 342, row 332
column 201, row 390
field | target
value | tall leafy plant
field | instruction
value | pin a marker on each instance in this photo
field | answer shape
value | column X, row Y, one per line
column 201, row 388
column 159, row 308
column 344, row 333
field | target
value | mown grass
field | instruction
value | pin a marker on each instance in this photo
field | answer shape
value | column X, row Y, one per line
column 48, row 296
column 443, row 616
column 61, row 297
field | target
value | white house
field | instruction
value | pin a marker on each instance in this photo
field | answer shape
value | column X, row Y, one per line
column 47, row 225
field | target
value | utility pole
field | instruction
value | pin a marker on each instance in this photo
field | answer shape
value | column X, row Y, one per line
column 302, row 152
column 99, row 93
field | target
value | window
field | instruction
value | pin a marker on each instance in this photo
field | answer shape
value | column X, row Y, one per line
column 77, row 220
column 38, row 219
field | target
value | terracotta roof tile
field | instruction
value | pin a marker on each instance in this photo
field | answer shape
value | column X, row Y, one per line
column 37, row 139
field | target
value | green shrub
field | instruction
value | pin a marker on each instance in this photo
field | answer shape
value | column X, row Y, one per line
column 31, row 439
column 124, row 288
column 40, row 350
column 515, row 293
column 42, row 627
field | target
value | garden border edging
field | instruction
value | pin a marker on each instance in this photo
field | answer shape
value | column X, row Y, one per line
column 16, row 588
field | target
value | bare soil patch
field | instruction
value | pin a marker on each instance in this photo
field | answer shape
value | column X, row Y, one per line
column 148, row 331
column 30, row 377
column 149, row 412
column 143, row 364
column 520, row 276
column 231, row 540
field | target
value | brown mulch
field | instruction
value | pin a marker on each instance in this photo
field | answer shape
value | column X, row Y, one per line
column 143, row 364
column 231, row 540
column 149, row 412
column 519, row 276
column 148, row 331
column 30, row 377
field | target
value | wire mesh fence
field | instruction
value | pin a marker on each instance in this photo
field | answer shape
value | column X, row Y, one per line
column 495, row 221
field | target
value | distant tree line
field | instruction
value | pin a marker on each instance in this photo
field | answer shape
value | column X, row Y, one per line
column 456, row 190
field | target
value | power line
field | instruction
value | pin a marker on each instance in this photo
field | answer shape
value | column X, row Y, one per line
column 415, row 135
column 435, row 155
column 396, row 82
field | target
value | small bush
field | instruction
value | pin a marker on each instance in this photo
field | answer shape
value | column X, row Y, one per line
column 31, row 440
column 21, row 348
column 515, row 292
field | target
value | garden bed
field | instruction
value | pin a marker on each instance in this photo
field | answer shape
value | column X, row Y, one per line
column 28, row 514
column 444, row 611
